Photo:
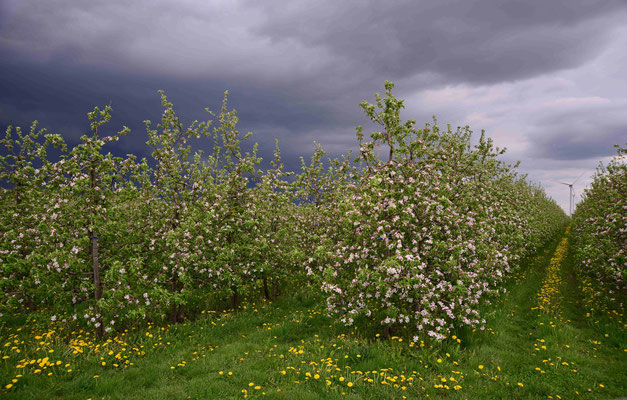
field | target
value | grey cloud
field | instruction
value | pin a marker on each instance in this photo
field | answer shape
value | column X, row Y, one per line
column 297, row 70
column 578, row 143
column 579, row 128
column 60, row 97
column 464, row 41
column 326, row 46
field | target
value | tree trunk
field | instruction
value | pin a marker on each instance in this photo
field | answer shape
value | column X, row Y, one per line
column 234, row 298
column 94, row 255
column 96, row 267
column 30, row 304
column 97, row 282
column 174, row 314
column 387, row 331
column 266, row 292
column 275, row 288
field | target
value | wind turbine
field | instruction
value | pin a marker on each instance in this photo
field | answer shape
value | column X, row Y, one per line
column 572, row 193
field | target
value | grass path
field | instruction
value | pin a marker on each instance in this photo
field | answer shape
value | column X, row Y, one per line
column 542, row 338
column 538, row 344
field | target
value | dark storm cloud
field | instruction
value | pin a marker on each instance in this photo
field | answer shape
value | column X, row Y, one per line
column 327, row 47
column 462, row 41
column 296, row 70
column 60, row 97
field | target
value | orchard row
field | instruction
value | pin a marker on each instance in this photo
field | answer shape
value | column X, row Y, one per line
column 417, row 237
column 600, row 238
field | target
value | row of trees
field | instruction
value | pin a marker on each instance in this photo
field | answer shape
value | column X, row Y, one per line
column 431, row 230
column 600, row 234
column 419, row 237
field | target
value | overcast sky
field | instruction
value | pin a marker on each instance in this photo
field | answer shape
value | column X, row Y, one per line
column 546, row 79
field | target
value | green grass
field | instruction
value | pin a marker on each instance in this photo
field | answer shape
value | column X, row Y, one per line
column 289, row 349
